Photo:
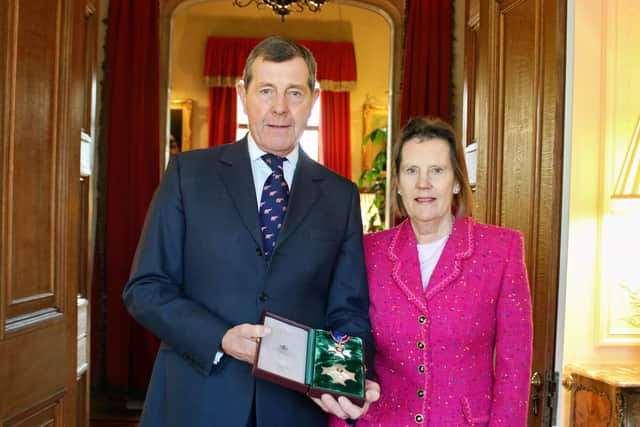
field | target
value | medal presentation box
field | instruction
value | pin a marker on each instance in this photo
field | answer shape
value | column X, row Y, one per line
column 312, row 361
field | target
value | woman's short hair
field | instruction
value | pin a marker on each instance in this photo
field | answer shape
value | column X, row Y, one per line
column 279, row 49
column 426, row 128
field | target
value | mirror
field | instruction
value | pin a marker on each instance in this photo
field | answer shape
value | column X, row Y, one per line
column 180, row 126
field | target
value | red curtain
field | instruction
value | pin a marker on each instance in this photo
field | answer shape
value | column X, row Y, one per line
column 337, row 75
column 132, row 176
column 224, row 64
column 427, row 62
column 223, row 103
column 335, row 134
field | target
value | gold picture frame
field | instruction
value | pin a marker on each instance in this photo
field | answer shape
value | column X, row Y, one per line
column 373, row 117
column 180, row 123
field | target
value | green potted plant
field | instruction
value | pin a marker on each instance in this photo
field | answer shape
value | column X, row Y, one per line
column 373, row 180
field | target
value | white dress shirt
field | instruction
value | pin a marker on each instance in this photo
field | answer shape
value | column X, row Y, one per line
column 261, row 170
column 429, row 254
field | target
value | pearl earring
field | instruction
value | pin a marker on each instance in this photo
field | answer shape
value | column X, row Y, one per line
column 456, row 189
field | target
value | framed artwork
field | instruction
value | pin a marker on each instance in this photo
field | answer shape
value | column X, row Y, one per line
column 180, row 126
column 373, row 117
column 620, row 315
column 619, row 287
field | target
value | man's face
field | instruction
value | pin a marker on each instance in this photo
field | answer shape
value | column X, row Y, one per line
column 278, row 103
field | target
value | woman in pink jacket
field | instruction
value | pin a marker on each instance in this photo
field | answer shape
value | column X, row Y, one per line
column 450, row 304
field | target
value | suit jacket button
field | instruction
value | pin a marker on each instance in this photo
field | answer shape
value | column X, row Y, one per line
column 420, row 345
column 258, row 251
column 420, row 393
column 419, row 418
column 263, row 297
column 421, row 368
column 422, row 320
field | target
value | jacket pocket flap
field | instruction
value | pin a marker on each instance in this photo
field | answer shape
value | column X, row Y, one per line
column 476, row 409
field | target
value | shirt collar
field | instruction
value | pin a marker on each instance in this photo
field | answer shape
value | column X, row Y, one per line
column 256, row 153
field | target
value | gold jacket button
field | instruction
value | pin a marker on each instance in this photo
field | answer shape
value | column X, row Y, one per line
column 420, row 393
column 422, row 320
column 420, row 345
column 419, row 418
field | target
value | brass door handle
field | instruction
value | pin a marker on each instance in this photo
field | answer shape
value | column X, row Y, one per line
column 536, row 381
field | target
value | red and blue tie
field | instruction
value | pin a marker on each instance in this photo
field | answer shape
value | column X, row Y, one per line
column 273, row 203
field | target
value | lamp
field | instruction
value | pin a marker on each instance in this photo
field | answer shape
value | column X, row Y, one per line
column 283, row 7
column 628, row 183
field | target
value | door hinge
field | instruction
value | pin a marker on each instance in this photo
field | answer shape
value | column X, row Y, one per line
column 550, row 413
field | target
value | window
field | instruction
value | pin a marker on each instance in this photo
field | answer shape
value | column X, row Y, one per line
column 310, row 138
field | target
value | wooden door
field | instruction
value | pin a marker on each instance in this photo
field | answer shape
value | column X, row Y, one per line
column 40, row 121
column 519, row 102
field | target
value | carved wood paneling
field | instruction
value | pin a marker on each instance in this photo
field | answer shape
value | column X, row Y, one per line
column 630, row 413
column 90, row 49
column 604, row 395
column 470, row 78
column 41, row 351
column 34, row 197
column 516, row 135
column 518, row 124
column 48, row 412
column 39, row 191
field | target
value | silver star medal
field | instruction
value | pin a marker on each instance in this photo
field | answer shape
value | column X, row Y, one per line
column 338, row 374
column 339, row 351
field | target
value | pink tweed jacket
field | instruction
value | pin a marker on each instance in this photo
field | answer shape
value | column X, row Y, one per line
column 435, row 348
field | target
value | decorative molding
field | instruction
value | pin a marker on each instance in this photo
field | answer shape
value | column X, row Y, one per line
column 43, row 412
column 14, row 324
column 578, row 388
column 186, row 106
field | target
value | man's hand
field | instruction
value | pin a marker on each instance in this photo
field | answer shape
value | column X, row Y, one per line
column 241, row 341
column 343, row 408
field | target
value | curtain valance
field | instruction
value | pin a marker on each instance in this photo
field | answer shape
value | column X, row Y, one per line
column 225, row 59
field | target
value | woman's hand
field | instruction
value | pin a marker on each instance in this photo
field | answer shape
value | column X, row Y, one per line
column 344, row 408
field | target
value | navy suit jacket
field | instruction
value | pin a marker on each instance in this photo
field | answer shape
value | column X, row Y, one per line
column 199, row 270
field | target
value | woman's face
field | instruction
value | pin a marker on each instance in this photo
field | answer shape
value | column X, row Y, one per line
column 426, row 181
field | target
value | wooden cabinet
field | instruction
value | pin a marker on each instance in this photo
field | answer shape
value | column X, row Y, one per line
column 604, row 396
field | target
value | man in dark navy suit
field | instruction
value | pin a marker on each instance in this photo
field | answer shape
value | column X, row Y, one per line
column 240, row 229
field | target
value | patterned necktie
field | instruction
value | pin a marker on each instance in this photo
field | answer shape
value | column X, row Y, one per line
column 273, row 203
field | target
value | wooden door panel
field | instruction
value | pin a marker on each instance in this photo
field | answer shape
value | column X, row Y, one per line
column 39, row 192
column 519, row 101
column 47, row 413
column 516, row 134
column 470, row 77
column 37, row 105
column 31, row 360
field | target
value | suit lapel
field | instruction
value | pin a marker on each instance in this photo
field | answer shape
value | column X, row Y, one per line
column 449, row 267
column 405, row 265
column 304, row 194
column 405, row 270
column 235, row 168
